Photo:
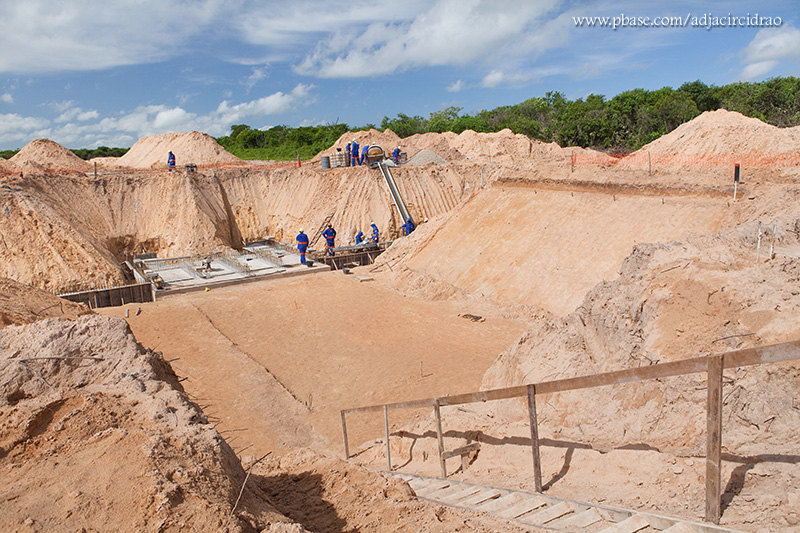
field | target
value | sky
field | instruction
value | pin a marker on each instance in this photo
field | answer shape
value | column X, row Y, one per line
column 89, row 73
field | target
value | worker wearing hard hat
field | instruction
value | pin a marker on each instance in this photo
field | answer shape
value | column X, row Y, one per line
column 353, row 153
column 364, row 155
column 330, row 235
column 396, row 155
column 408, row 227
column 302, row 245
column 374, row 232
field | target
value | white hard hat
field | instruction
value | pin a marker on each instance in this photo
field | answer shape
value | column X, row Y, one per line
column 301, row 230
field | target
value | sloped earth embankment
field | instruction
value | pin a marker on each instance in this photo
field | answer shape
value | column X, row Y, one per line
column 96, row 433
column 64, row 233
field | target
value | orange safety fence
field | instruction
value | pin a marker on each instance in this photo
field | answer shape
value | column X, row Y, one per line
column 789, row 159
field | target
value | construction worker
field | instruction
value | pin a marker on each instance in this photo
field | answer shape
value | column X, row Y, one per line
column 408, row 227
column 374, row 232
column 347, row 155
column 171, row 161
column 396, row 155
column 302, row 245
column 354, row 153
column 363, row 155
column 330, row 235
column 359, row 237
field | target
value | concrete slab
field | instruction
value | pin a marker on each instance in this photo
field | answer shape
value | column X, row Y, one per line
column 257, row 261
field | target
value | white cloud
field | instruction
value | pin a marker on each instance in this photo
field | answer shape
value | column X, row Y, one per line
column 768, row 48
column 456, row 87
column 257, row 75
column 18, row 129
column 451, row 32
column 70, row 112
column 49, row 35
column 76, row 128
column 7, row 98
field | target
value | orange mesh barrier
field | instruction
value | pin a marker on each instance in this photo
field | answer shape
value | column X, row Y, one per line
column 779, row 160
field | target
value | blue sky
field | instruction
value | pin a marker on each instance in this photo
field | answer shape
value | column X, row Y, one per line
column 88, row 73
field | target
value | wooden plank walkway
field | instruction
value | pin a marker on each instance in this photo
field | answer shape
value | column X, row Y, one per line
column 548, row 512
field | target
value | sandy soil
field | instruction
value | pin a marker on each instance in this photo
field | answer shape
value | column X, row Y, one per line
column 576, row 269
column 325, row 342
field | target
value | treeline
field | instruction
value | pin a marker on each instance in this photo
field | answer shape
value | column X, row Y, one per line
column 621, row 124
column 281, row 142
column 83, row 153
column 624, row 123
column 100, row 151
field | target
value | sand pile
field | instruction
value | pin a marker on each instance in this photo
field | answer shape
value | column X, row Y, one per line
column 97, row 433
column 44, row 153
column 726, row 132
column 20, row 304
column 192, row 147
column 423, row 157
column 387, row 140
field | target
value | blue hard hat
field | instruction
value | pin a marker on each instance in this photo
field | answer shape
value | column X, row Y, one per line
column 408, row 219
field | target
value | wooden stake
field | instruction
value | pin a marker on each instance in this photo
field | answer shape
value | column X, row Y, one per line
column 438, row 415
column 344, row 437
column 537, row 463
column 386, row 431
column 714, row 440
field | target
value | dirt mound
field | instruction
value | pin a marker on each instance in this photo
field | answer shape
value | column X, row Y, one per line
column 21, row 304
column 96, row 429
column 725, row 132
column 192, row 147
column 106, row 162
column 704, row 296
column 423, row 157
column 387, row 140
column 44, row 153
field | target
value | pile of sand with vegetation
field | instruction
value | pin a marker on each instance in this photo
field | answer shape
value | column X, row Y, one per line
column 726, row 132
column 189, row 148
column 46, row 154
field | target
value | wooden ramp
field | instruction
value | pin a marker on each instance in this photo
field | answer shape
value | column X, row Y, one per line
column 547, row 512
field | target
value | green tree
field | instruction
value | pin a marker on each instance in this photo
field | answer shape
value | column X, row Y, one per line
column 442, row 121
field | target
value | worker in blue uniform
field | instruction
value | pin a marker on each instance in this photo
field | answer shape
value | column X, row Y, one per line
column 363, row 155
column 347, row 155
column 354, row 153
column 374, row 232
column 302, row 245
column 408, row 227
column 359, row 237
column 396, row 155
column 330, row 235
column 171, row 161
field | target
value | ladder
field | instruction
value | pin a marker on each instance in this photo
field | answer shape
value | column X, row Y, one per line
column 549, row 512
column 318, row 233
